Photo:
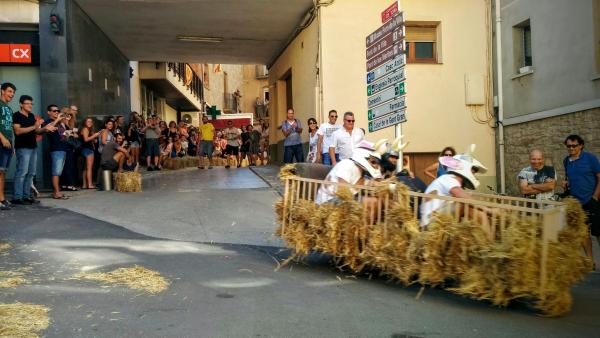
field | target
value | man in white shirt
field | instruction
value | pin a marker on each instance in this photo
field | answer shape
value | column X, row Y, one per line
column 364, row 162
column 345, row 139
column 325, row 133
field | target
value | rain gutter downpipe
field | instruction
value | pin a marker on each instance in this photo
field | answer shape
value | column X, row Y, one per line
column 500, row 96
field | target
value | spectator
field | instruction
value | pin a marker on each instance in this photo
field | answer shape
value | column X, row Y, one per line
column 7, row 92
column 164, row 130
column 152, row 132
column 207, row 137
column 264, row 134
column 114, row 154
column 232, row 135
column 344, row 140
column 134, row 139
column 313, row 140
column 106, row 134
column 166, row 147
column 254, row 145
column 245, row 146
column 172, row 131
column 178, row 150
column 193, row 143
column 58, row 147
column 325, row 133
column 25, row 128
column 292, row 145
column 88, row 147
column 119, row 127
column 436, row 169
column 583, row 182
column 537, row 181
column 68, row 179
column 183, row 131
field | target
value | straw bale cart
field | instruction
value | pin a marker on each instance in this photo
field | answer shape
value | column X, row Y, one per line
column 491, row 247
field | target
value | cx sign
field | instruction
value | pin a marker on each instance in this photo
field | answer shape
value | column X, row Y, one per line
column 15, row 53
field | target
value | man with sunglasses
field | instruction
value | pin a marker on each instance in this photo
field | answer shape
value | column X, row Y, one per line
column 325, row 134
column 292, row 145
column 58, row 147
column 583, row 182
column 345, row 139
column 7, row 92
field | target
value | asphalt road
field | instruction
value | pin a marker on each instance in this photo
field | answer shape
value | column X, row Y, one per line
column 230, row 288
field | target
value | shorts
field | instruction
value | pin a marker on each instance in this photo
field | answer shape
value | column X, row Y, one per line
column 111, row 165
column 152, row 148
column 254, row 149
column 5, row 156
column 134, row 144
column 58, row 162
column 206, row 148
column 592, row 210
column 231, row 150
column 87, row 152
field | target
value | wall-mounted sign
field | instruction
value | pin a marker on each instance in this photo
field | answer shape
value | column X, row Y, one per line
column 15, row 53
column 389, row 12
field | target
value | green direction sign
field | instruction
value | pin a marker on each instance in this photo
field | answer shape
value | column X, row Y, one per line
column 386, row 95
column 388, row 120
column 386, row 81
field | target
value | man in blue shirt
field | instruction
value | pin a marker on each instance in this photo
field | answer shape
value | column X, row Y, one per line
column 583, row 182
column 292, row 146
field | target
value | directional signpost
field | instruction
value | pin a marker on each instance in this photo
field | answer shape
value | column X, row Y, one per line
column 386, row 75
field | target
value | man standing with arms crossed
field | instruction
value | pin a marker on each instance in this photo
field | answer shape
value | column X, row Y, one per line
column 7, row 92
column 325, row 133
column 583, row 182
column 26, row 127
column 538, row 180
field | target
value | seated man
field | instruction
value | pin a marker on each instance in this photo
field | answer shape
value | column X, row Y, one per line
column 363, row 164
column 461, row 170
column 537, row 181
column 114, row 154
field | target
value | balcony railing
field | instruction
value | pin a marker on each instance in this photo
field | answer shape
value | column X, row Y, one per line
column 188, row 77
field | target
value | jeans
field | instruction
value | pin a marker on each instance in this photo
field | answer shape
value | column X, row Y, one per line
column 327, row 158
column 58, row 162
column 26, row 165
column 5, row 156
column 291, row 152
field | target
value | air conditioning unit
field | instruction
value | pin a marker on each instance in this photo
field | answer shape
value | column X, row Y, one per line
column 525, row 69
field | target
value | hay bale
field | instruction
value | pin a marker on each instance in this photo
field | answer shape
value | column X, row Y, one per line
column 128, row 182
column 169, row 163
column 23, row 320
column 136, row 277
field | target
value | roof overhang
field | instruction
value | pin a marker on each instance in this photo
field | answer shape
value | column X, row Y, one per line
column 252, row 31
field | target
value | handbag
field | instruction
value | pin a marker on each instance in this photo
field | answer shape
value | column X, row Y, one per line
column 74, row 143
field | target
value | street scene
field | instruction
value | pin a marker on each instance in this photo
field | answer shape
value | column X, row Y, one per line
column 301, row 168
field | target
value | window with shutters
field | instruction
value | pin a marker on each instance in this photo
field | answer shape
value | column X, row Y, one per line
column 421, row 42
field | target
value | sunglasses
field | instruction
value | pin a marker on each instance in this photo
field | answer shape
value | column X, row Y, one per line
column 350, row 121
column 55, row 110
column 312, row 122
column 333, row 116
column 572, row 146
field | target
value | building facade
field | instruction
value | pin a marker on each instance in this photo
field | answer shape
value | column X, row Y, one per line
column 449, row 75
column 550, row 79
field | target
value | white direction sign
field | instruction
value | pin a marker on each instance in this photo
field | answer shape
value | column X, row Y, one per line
column 387, row 94
column 386, row 81
column 386, row 108
column 388, row 120
column 387, row 68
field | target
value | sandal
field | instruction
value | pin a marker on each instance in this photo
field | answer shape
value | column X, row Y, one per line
column 60, row 197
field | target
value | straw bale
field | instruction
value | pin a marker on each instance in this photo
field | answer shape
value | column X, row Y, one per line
column 498, row 270
column 128, row 182
column 169, row 163
column 136, row 277
column 5, row 246
column 23, row 320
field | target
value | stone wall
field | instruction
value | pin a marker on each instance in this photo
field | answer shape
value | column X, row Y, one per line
column 548, row 135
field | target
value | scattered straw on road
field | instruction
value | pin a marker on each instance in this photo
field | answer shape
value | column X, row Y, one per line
column 136, row 277
column 23, row 320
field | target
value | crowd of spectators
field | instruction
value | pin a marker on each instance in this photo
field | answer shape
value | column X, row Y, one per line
column 81, row 149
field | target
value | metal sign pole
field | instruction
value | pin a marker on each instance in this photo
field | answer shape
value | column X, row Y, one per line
column 398, row 133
